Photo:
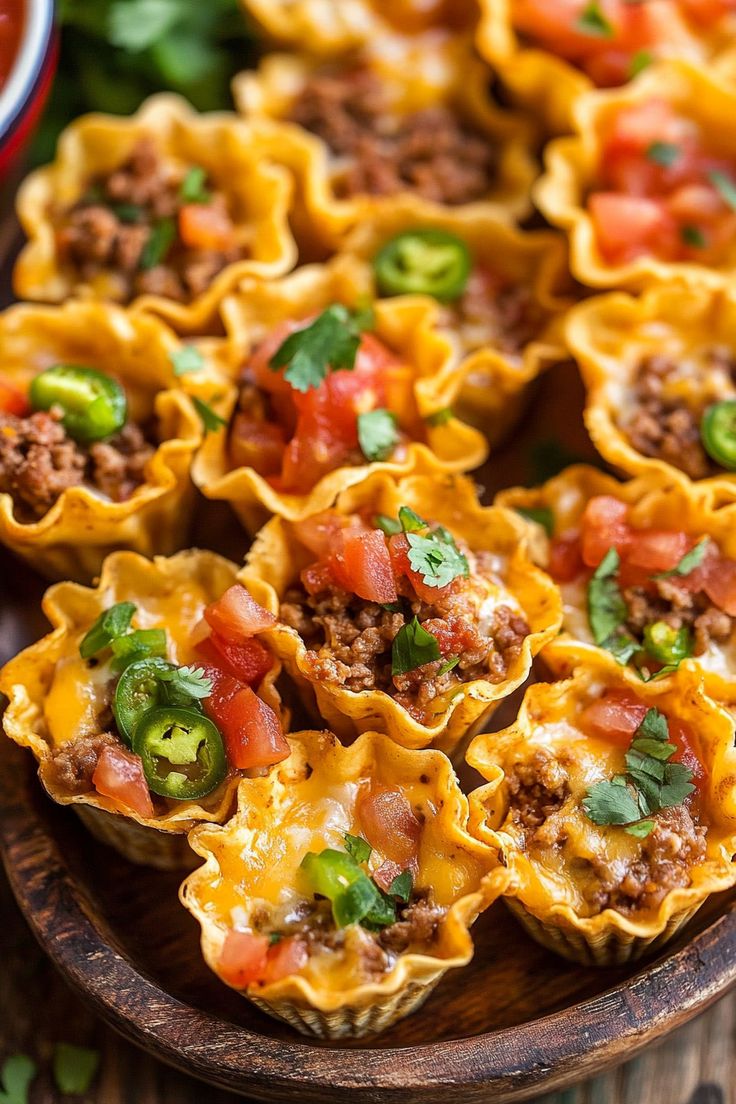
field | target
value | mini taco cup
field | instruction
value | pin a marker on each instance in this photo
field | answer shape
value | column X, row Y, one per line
column 652, row 366
column 254, row 191
column 415, row 76
column 550, row 84
column 447, row 706
column 406, row 327
column 500, row 356
column 71, row 536
column 601, row 895
column 574, row 170
column 251, row 884
column 60, row 705
column 658, row 521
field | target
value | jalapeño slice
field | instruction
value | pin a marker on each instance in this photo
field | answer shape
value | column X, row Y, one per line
column 94, row 405
column 139, row 690
column 182, row 752
column 718, row 433
column 424, row 261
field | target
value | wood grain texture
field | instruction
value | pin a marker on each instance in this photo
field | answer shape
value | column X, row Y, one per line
column 119, row 935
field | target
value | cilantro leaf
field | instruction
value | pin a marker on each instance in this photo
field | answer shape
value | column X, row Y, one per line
column 440, row 417
column 160, row 240
column 677, row 785
column 328, row 343
column 692, row 235
column 390, row 526
column 592, row 21
column 192, row 188
column 436, row 559
column 688, row 563
column 724, row 186
column 211, row 420
column 186, row 359
column 358, row 848
column 412, row 647
column 609, row 803
column 663, row 153
column 111, row 624
column 190, row 683
column 377, row 434
column 653, row 726
column 639, row 62
column 542, row 515
column 448, row 665
column 74, row 1068
column 401, row 886
column 275, row 937
column 410, row 521
column 641, row 829
column 606, row 607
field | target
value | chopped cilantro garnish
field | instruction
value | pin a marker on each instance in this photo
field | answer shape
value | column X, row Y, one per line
column 359, row 848
column 211, row 420
column 639, row 62
column 694, row 236
column 689, row 561
column 186, row 359
column 410, row 521
column 274, row 938
column 74, row 1068
column 159, row 242
column 401, row 886
column 185, row 683
column 17, row 1074
column 413, row 646
column 651, row 782
column 663, row 153
column 377, row 434
column 592, row 21
column 436, row 559
column 390, row 526
column 448, row 665
column 192, row 188
column 724, row 186
column 641, row 829
column 111, row 624
column 328, row 343
column 607, row 610
column 542, row 515
column 440, row 417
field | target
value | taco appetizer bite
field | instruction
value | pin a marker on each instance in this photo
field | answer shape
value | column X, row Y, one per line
column 660, row 374
column 329, row 391
column 149, row 700
column 412, row 623
column 97, row 435
column 165, row 208
column 646, row 189
column 344, row 887
column 613, row 808
column 647, row 574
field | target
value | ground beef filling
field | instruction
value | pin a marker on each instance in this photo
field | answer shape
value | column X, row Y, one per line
column 432, row 152
column 509, row 318
column 662, row 427
column 664, row 601
column 537, row 789
column 38, row 462
column 349, row 642
column 70, row 769
column 110, row 227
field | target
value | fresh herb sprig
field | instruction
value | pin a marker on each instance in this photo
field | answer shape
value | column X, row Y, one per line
column 327, row 344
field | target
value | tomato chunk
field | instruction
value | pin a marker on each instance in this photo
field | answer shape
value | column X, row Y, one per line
column 614, row 717
column 206, row 226
column 366, row 562
column 604, row 526
column 256, row 444
column 565, row 558
column 119, row 776
column 681, row 736
column 13, row 401
column 250, row 729
column 236, row 614
column 287, row 957
column 243, row 958
column 246, row 660
column 389, row 824
column 398, row 546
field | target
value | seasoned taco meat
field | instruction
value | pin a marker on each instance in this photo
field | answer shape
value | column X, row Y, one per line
column 431, row 152
column 71, row 767
column 114, row 227
column 39, row 461
column 664, row 601
column 491, row 312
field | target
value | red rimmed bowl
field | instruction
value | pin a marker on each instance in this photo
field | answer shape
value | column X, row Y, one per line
column 27, row 62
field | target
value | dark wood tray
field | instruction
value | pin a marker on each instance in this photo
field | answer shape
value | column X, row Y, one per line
column 516, row 1022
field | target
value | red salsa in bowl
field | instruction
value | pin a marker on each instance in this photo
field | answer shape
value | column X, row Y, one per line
column 27, row 58
column 12, row 18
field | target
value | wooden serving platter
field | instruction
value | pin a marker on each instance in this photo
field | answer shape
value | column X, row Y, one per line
column 516, row 1022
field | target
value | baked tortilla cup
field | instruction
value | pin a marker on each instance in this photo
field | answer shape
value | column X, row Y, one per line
column 416, row 75
column 596, row 893
column 655, row 505
column 337, row 25
column 72, row 538
column 572, row 164
column 550, row 85
column 461, row 704
column 56, row 697
column 651, row 366
column 498, row 362
column 408, row 326
column 257, row 191
column 251, row 881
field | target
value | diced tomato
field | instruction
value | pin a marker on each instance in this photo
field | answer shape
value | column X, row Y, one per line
column 656, row 549
column 13, row 401
column 719, row 583
column 565, row 558
column 604, row 526
column 627, row 226
column 681, row 736
column 366, row 563
column 224, row 686
column 319, row 532
column 119, row 776
column 236, row 614
column 256, row 444
column 243, row 958
column 251, row 731
column 614, row 717
column 246, row 660
column 317, row 577
column 388, row 823
column 398, row 546
column 206, row 226
column 287, row 957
